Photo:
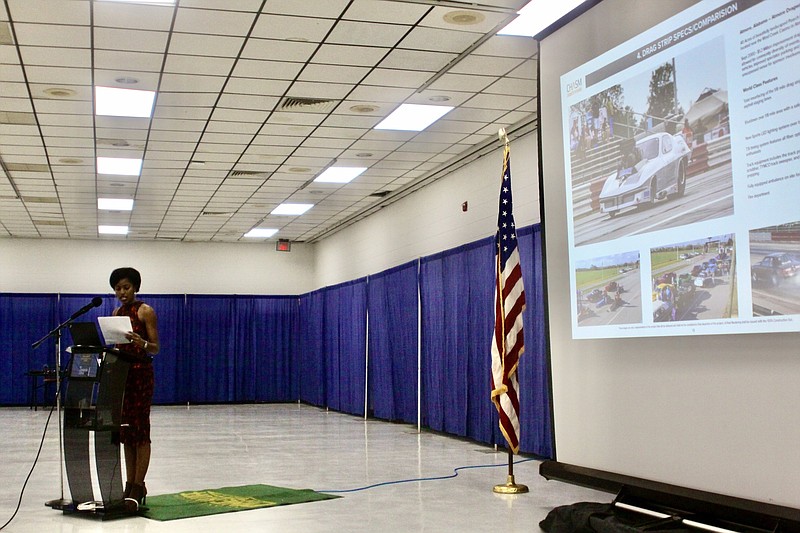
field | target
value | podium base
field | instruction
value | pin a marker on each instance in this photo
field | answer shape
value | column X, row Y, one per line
column 95, row 510
column 510, row 487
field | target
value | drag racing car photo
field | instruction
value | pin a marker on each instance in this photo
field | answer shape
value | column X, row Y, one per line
column 652, row 169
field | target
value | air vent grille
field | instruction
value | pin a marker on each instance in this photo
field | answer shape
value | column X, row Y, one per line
column 315, row 105
column 247, row 174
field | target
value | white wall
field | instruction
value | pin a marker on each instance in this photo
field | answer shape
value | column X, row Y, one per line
column 425, row 222
column 78, row 266
column 431, row 219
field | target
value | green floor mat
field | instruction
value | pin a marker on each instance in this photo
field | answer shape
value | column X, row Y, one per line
column 225, row 500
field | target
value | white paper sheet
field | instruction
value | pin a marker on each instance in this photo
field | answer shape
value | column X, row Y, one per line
column 114, row 328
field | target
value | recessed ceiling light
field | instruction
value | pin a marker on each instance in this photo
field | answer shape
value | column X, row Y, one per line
column 261, row 233
column 439, row 98
column 291, row 209
column 115, row 204
column 112, row 230
column 299, row 170
column 364, row 108
column 126, row 80
column 120, row 166
column 339, row 174
column 364, row 154
column 463, row 18
column 110, row 101
column 413, row 117
column 70, row 160
column 537, row 15
column 59, row 92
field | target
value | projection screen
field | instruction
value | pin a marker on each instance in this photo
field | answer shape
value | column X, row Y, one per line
column 669, row 151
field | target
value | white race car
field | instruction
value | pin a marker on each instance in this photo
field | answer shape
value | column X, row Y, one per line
column 653, row 169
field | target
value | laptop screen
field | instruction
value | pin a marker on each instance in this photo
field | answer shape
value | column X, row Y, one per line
column 84, row 334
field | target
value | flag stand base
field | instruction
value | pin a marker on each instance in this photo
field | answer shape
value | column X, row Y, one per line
column 510, row 487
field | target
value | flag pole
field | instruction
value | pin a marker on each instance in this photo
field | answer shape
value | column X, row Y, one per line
column 510, row 487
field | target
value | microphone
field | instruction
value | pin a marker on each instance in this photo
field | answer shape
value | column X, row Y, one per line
column 96, row 301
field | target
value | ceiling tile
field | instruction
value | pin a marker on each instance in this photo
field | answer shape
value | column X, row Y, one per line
column 132, row 40
column 337, row 54
column 326, row 9
column 132, row 16
column 292, row 27
column 416, row 60
column 213, row 22
column 207, row 45
column 198, row 65
column 385, row 11
column 367, row 34
column 278, row 50
column 49, row 57
column 47, row 11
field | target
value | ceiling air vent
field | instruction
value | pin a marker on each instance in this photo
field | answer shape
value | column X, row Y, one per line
column 312, row 105
column 247, row 174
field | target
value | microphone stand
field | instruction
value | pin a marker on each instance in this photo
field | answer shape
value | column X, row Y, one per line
column 60, row 503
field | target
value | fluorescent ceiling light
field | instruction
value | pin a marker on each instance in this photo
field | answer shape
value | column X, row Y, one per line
column 261, row 233
column 291, row 209
column 413, row 117
column 339, row 174
column 537, row 15
column 112, row 230
column 115, row 204
column 120, row 166
column 113, row 102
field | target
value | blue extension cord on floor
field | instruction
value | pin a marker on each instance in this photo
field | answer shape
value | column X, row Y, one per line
column 454, row 474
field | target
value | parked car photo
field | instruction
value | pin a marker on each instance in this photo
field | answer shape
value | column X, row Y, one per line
column 774, row 268
column 651, row 170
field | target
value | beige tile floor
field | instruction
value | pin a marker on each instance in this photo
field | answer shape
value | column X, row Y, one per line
column 297, row 446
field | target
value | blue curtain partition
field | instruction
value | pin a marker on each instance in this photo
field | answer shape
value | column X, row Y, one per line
column 226, row 348
column 24, row 319
column 534, row 369
column 393, row 324
column 209, row 360
column 345, row 345
column 171, row 383
column 311, row 357
column 265, row 329
column 457, row 320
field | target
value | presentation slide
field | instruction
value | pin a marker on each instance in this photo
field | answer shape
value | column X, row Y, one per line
column 682, row 175
column 670, row 216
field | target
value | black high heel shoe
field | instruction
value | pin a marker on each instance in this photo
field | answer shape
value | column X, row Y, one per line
column 135, row 499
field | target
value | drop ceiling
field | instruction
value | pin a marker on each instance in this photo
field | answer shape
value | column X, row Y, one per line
column 254, row 99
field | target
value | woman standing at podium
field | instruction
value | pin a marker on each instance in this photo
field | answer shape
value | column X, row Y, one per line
column 135, row 429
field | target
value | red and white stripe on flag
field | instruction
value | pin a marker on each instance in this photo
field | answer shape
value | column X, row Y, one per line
column 508, row 340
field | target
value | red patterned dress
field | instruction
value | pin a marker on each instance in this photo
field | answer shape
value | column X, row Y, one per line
column 135, row 428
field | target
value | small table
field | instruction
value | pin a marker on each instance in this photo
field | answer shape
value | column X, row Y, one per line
column 48, row 377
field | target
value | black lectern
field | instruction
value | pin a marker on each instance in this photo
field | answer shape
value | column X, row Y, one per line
column 92, row 415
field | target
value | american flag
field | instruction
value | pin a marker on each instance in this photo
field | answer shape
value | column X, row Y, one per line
column 509, row 302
